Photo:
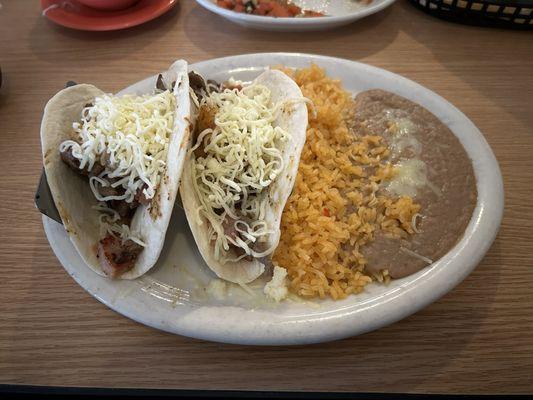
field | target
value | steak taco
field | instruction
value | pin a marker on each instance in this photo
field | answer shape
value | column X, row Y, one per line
column 241, row 169
column 113, row 164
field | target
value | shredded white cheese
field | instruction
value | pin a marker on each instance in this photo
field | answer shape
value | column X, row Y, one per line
column 276, row 288
column 416, row 255
column 217, row 288
column 129, row 136
column 243, row 157
column 109, row 224
column 414, row 222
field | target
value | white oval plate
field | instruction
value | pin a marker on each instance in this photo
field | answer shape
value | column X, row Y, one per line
column 339, row 12
column 172, row 296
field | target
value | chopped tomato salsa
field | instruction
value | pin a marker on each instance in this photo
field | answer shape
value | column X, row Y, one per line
column 269, row 8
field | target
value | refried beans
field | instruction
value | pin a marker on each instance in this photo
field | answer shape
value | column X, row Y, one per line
column 432, row 167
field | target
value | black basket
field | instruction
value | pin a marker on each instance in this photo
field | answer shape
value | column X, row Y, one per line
column 516, row 14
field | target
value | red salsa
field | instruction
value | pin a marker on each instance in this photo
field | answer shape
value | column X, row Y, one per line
column 269, row 8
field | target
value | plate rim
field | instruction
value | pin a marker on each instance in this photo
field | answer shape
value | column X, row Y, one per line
column 487, row 216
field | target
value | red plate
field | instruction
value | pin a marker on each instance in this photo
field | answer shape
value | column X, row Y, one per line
column 74, row 15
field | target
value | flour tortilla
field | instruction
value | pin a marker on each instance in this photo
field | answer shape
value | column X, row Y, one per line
column 293, row 119
column 72, row 193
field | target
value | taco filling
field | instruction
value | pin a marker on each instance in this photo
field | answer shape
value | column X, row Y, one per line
column 120, row 146
column 237, row 156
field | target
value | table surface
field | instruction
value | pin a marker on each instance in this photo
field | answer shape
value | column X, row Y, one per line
column 476, row 339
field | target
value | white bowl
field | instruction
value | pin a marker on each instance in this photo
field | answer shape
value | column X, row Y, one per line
column 172, row 295
column 340, row 12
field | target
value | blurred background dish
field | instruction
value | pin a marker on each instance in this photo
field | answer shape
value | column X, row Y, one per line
column 108, row 5
column 337, row 13
column 73, row 14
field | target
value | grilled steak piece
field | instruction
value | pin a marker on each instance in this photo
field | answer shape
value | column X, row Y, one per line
column 68, row 158
column 116, row 256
